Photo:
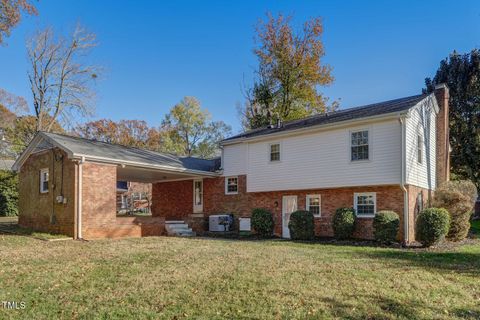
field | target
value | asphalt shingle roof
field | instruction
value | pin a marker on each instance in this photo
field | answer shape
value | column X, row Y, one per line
column 365, row 111
column 117, row 152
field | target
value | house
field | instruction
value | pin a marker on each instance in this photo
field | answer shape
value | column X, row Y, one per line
column 385, row 156
column 6, row 164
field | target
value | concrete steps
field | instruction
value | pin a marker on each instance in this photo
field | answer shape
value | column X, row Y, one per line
column 179, row 228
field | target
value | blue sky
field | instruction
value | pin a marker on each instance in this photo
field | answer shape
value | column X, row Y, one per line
column 157, row 52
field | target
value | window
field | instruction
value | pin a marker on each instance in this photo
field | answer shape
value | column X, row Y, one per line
column 365, row 204
column 359, row 145
column 44, row 181
column 419, row 148
column 314, row 204
column 231, row 185
column 275, row 152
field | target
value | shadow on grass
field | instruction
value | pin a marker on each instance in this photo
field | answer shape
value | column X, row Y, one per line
column 381, row 307
column 458, row 261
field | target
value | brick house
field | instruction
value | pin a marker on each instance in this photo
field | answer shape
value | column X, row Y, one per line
column 385, row 156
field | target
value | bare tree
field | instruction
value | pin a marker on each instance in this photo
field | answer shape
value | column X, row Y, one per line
column 60, row 78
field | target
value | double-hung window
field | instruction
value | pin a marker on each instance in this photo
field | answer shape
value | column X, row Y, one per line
column 313, row 204
column 365, row 204
column 231, row 185
column 419, row 148
column 275, row 152
column 359, row 145
column 44, row 177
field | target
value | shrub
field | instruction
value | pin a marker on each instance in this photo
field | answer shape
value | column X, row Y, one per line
column 8, row 194
column 386, row 224
column 301, row 225
column 262, row 222
column 432, row 226
column 458, row 197
column 344, row 223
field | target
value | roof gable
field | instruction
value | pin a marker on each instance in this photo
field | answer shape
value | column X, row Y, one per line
column 77, row 147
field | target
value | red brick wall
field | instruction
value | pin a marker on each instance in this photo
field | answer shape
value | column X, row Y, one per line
column 40, row 211
column 99, row 218
column 174, row 199
column 413, row 206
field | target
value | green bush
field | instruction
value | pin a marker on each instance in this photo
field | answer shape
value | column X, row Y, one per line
column 8, row 194
column 432, row 226
column 301, row 225
column 262, row 222
column 386, row 225
column 458, row 197
column 344, row 223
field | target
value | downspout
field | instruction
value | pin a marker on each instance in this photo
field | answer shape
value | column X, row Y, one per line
column 403, row 180
column 79, row 198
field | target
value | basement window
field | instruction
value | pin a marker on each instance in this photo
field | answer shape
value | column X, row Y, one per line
column 365, row 204
column 44, row 181
column 231, row 185
column 314, row 204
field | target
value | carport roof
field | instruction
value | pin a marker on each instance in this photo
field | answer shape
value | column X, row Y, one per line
column 79, row 148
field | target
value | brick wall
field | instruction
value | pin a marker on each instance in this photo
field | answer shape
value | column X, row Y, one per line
column 174, row 199
column 40, row 211
column 99, row 218
column 418, row 198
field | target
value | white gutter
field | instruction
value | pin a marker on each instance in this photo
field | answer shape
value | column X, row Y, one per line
column 79, row 198
column 406, row 228
column 143, row 165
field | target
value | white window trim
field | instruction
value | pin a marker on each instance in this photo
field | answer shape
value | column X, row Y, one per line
column 420, row 148
column 355, row 196
column 350, row 132
column 42, row 171
column 226, row 185
column 270, row 152
column 307, row 204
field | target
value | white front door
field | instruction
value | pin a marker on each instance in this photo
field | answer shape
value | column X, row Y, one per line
column 289, row 205
column 197, row 196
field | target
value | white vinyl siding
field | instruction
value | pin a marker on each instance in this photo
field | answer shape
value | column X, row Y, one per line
column 421, row 122
column 323, row 160
column 235, row 159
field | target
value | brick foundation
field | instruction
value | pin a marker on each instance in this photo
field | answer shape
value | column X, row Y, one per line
column 175, row 200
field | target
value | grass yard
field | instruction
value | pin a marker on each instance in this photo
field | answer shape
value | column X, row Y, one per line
column 176, row 278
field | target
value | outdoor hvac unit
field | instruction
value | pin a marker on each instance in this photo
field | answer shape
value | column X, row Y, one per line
column 219, row 222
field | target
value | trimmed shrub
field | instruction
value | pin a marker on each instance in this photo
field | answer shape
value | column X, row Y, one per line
column 386, row 225
column 262, row 222
column 458, row 197
column 432, row 226
column 344, row 223
column 8, row 194
column 301, row 225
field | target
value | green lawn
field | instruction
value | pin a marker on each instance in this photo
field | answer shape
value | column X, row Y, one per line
column 475, row 227
column 177, row 278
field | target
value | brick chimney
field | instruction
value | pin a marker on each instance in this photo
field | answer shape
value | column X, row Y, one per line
column 443, row 133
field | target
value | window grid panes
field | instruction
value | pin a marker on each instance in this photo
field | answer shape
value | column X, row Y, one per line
column 359, row 145
column 275, row 152
column 44, row 180
column 365, row 205
column 419, row 148
column 313, row 204
column 232, row 185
